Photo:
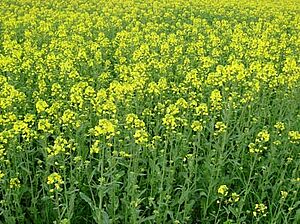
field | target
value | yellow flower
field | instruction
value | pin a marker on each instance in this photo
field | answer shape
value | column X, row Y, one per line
column 95, row 147
column 263, row 136
column 1, row 174
column 201, row 109
column 132, row 120
column 169, row 121
column 235, row 197
column 294, row 136
column 105, row 127
column 55, row 179
column 14, row 183
column 41, row 106
column 28, row 118
column 44, row 125
column 197, row 126
column 141, row 137
column 20, row 126
column 2, row 151
column 125, row 154
column 253, row 148
column 182, row 103
column 223, row 190
column 55, row 89
column 220, row 127
column 172, row 109
column 284, row 194
column 216, row 100
column 67, row 117
column 153, row 88
column 260, row 209
column 279, row 126
column 60, row 145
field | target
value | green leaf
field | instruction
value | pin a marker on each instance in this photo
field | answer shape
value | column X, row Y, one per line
column 87, row 200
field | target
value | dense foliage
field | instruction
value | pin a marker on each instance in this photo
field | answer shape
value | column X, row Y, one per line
column 136, row 111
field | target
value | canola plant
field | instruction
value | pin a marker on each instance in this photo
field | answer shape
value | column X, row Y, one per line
column 156, row 111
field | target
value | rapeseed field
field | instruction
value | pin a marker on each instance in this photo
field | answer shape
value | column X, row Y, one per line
column 155, row 111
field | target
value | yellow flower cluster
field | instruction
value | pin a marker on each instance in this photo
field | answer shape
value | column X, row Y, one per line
column 1, row 175
column 294, row 136
column 234, row 197
column 14, row 183
column 141, row 137
column 56, row 180
column 95, row 147
column 41, row 106
column 279, row 126
column 133, row 121
column 61, row 145
column 260, row 209
column 223, row 190
column 259, row 145
column 105, row 127
column 220, row 128
column 216, row 100
column 262, row 136
column 197, row 126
